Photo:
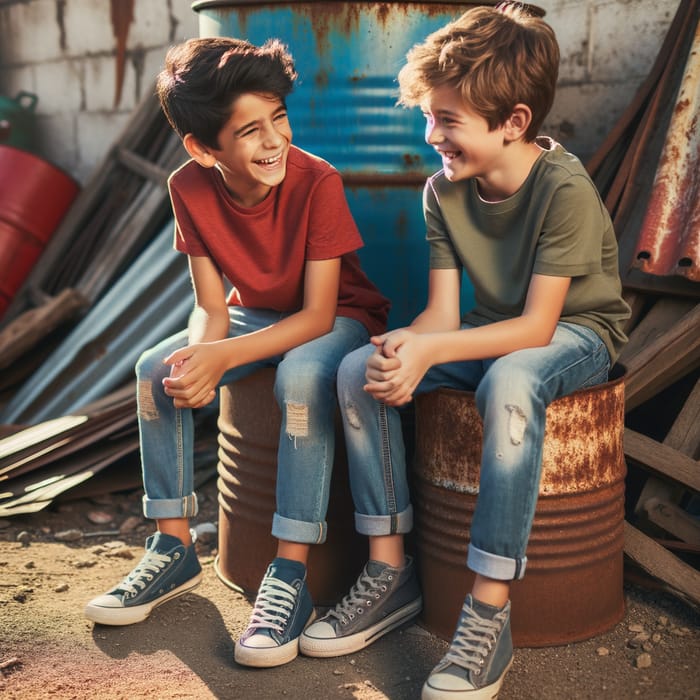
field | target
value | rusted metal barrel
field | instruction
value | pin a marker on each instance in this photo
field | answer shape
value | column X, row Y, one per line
column 249, row 427
column 572, row 588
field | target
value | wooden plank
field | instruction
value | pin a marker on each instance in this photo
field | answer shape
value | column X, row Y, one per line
column 684, row 434
column 673, row 519
column 663, row 360
column 662, row 459
column 22, row 334
column 660, row 563
column 658, row 320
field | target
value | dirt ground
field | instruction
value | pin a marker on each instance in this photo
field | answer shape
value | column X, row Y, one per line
column 185, row 649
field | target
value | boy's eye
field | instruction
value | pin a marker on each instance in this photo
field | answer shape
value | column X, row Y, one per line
column 247, row 132
column 282, row 116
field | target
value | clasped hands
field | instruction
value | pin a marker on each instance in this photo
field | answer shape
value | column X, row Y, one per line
column 195, row 373
column 400, row 360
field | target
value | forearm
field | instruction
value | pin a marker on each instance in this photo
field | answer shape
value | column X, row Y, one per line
column 492, row 340
column 290, row 332
column 207, row 326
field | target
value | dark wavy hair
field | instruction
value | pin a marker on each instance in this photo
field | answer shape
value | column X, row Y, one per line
column 202, row 79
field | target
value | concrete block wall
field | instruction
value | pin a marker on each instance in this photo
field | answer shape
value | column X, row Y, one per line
column 64, row 51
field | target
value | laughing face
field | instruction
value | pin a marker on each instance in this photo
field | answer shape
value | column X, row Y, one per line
column 462, row 138
column 254, row 144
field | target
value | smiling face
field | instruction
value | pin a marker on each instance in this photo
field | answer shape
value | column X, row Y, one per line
column 253, row 148
column 462, row 138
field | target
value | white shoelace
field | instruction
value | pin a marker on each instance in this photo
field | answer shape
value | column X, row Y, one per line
column 273, row 605
column 474, row 639
column 363, row 592
column 151, row 564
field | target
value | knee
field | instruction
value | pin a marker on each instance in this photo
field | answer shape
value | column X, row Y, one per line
column 351, row 373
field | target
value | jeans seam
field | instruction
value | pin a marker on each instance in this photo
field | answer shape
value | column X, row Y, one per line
column 387, row 466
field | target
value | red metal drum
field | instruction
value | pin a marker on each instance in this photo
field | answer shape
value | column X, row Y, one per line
column 34, row 197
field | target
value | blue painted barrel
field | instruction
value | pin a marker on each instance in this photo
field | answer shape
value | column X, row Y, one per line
column 344, row 109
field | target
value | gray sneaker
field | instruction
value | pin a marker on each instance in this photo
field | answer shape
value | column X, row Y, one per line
column 479, row 656
column 168, row 569
column 382, row 599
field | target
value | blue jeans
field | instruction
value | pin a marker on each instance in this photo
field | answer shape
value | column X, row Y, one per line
column 305, row 392
column 512, row 395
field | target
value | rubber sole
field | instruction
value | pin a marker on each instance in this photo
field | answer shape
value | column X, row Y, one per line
column 339, row 646
column 104, row 615
column 267, row 657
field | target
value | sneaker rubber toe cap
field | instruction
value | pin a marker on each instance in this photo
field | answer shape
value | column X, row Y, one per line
column 320, row 630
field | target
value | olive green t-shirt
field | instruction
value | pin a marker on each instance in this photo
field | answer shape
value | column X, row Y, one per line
column 555, row 224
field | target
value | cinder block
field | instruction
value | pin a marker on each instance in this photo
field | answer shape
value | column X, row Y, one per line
column 88, row 27
column 31, row 32
column 570, row 21
column 59, row 85
column 627, row 36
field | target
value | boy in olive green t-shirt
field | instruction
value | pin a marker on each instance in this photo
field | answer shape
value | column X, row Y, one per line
column 521, row 216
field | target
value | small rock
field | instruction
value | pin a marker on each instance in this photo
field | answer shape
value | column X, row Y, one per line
column 24, row 538
column 72, row 535
column 638, row 640
column 130, row 524
column 205, row 532
column 85, row 563
column 602, row 651
column 636, row 628
column 663, row 620
column 99, row 517
column 643, row 661
column 337, row 672
column 61, row 588
column 647, row 646
column 30, row 565
column 123, row 553
column 656, row 638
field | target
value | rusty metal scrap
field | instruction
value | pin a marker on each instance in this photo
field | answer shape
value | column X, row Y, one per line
column 669, row 240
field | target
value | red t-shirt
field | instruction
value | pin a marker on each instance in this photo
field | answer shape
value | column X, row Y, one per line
column 262, row 250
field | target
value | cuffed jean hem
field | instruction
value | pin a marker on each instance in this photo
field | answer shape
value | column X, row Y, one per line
column 162, row 508
column 495, row 566
column 298, row 530
column 379, row 525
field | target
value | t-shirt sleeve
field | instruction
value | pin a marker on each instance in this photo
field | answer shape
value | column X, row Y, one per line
column 187, row 240
column 571, row 237
column 332, row 228
column 443, row 255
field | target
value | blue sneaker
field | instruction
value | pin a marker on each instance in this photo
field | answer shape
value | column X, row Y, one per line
column 282, row 609
column 479, row 656
column 168, row 569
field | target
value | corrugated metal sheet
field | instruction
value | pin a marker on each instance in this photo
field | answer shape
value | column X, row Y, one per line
column 669, row 239
column 148, row 303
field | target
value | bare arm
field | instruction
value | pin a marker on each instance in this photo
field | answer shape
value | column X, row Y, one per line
column 204, row 363
column 417, row 352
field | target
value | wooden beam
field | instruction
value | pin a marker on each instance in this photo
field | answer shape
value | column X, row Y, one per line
column 660, row 563
column 662, row 459
column 663, row 360
column 673, row 520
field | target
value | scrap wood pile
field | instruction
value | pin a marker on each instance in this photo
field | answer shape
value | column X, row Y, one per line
column 648, row 171
column 109, row 285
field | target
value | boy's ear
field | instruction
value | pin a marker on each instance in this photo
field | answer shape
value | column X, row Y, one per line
column 517, row 124
column 198, row 151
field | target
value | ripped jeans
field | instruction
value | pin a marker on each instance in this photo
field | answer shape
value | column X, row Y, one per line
column 306, row 393
column 512, row 395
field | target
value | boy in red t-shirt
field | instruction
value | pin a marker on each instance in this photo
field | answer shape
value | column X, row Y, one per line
column 272, row 220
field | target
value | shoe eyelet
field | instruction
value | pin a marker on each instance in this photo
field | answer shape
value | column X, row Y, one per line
column 390, row 577
column 376, row 596
column 477, row 672
column 360, row 611
column 383, row 589
column 368, row 603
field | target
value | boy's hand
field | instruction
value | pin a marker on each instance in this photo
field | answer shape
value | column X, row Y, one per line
column 397, row 366
column 195, row 373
